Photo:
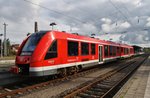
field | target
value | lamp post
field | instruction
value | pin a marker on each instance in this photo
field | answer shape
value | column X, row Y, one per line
column 1, row 46
column 52, row 25
column 5, row 42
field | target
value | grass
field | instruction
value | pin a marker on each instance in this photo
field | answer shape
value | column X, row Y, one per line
column 8, row 58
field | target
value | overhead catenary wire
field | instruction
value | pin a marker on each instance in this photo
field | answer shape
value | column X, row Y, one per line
column 85, row 11
column 125, row 17
column 57, row 12
column 81, row 10
column 71, row 17
column 76, row 19
column 68, row 16
column 118, row 9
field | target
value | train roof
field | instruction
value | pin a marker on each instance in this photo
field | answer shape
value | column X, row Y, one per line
column 76, row 37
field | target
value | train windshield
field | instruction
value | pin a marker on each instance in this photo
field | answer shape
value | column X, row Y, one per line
column 31, row 43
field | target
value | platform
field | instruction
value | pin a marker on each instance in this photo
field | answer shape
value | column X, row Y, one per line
column 5, row 65
column 138, row 86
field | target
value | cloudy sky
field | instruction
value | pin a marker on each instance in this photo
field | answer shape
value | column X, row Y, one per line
column 126, row 21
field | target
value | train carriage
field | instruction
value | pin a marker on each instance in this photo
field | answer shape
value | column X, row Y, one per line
column 54, row 52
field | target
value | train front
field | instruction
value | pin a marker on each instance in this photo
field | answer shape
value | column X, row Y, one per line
column 25, row 53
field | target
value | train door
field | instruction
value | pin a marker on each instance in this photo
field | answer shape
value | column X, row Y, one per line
column 100, row 53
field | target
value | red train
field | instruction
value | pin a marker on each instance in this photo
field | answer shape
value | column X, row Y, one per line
column 54, row 52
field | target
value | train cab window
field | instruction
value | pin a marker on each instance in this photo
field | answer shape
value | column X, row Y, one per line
column 52, row 52
column 72, row 48
column 84, row 48
column 93, row 49
column 31, row 43
column 106, row 50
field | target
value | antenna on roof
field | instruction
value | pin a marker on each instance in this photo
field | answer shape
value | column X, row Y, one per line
column 75, row 33
column 92, row 35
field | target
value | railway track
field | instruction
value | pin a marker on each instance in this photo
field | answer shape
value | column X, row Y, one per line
column 106, row 85
column 26, row 87
column 20, row 87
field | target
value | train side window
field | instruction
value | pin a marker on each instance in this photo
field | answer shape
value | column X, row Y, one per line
column 72, row 48
column 52, row 51
column 106, row 50
column 121, row 49
column 93, row 49
column 114, row 51
column 118, row 51
column 84, row 48
column 131, row 50
column 111, row 50
column 124, row 50
column 128, row 50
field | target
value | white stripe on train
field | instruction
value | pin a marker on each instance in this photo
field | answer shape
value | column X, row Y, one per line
column 34, row 69
column 60, row 66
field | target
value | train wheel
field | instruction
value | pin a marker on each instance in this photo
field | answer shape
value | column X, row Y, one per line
column 75, row 70
column 63, row 72
column 69, row 71
column 79, row 67
column 72, row 70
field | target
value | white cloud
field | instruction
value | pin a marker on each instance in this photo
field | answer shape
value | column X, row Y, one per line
column 114, row 27
column 148, row 22
column 148, row 19
column 136, row 3
column 110, row 37
column 98, row 14
column 125, row 25
column 140, row 37
column 88, row 28
column 106, row 27
column 106, row 20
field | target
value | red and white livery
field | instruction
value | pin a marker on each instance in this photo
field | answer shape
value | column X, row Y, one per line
column 54, row 52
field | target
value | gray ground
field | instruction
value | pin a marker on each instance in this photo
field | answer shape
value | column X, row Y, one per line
column 54, row 90
column 136, row 86
column 5, row 65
